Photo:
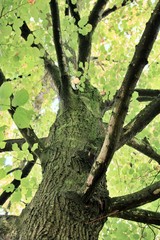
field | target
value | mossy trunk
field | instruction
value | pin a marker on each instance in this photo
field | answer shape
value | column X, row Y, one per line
column 57, row 211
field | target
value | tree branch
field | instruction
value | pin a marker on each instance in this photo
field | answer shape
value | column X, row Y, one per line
column 66, row 11
column 10, row 142
column 133, row 200
column 25, row 172
column 28, row 133
column 54, row 72
column 30, row 136
column 122, row 101
column 50, row 66
column 139, row 215
column 145, row 148
column 94, row 17
column 114, row 8
column 74, row 11
column 143, row 118
column 57, row 38
column 18, row 141
column 96, row 13
column 147, row 94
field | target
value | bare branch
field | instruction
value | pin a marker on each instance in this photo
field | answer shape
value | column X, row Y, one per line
column 145, row 148
column 133, row 200
column 139, row 215
column 57, row 38
column 147, row 94
column 122, row 101
column 143, row 118
column 74, row 11
column 94, row 17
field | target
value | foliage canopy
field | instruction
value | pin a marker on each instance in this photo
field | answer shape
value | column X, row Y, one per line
column 40, row 59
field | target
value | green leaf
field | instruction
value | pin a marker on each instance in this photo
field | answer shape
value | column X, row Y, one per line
column 2, row 145
column 16, row 196
column 83, row 31
column 25, row 182
column 8, row 168
column 2, row 173
column 83, row 21
column 4, row 104
column 88, row 27
column 21, row 155
column 35, row 146
column 22, row 117
column 135, row 236
column 30, row 39
column 29, row 193
column 6, row 90
column 7, row 30
column 74, row 1
column 15, row 147
column 9, row 188
column 20, row 98
column 81, row 66
column 17, row 174
column 30, row 157
column 2, row 130
column 25, row 146
column 2, row 161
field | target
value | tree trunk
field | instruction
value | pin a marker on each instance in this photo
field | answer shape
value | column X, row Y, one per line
column 57, row 211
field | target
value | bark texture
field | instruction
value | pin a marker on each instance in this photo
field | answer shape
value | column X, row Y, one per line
column 57, row 210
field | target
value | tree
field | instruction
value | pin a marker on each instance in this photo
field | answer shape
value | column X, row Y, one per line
column 95, row 87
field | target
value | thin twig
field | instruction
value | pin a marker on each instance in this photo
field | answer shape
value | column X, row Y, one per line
column 114, row 8
column 74, row 11
column 14, row 9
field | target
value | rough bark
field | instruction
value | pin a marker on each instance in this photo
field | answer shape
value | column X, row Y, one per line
column 57, row 210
